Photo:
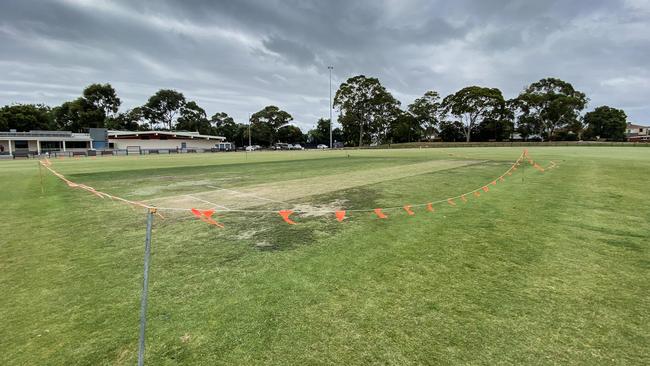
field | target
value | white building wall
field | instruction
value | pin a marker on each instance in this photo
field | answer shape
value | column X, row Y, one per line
column 163, row 144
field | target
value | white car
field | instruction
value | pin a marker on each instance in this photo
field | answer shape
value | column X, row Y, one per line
column 296, row 147
column 321, row 146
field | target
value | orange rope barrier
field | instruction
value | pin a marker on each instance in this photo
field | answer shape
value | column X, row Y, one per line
column 206, row 215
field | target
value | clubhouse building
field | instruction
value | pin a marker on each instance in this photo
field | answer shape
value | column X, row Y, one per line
column 105, row 142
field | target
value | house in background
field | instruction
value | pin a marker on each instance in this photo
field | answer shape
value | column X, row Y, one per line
column 637, row 133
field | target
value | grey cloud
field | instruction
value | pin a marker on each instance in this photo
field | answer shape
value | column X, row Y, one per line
column 237, row 56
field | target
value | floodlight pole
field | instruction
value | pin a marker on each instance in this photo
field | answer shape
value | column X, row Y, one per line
column 330, row 68
column 145, row 286
column 249, row 131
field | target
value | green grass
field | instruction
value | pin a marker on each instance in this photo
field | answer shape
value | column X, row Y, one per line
column 546, row 268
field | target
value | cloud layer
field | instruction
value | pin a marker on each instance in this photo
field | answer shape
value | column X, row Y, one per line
column 238, row 56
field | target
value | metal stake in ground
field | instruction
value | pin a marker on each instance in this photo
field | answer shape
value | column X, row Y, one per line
column 145, row 286
column 40, row 173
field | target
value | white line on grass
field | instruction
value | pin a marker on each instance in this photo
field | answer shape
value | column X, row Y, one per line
column 250, row 195
column 208, row 202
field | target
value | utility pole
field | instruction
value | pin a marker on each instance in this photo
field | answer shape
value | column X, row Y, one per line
column 330, row 68
column 249, row 131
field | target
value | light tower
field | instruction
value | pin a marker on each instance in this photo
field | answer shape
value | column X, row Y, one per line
column 330, row 68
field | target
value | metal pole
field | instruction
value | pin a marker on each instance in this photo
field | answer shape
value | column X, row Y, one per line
column 249, row 131
column 40, row 173
column 145, row 286
column 330, row 68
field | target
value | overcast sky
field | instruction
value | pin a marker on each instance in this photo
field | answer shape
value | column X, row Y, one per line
column 238, row 56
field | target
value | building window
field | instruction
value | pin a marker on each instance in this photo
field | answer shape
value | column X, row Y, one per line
column 21, row 144
column 50, row 145
column 76, row 145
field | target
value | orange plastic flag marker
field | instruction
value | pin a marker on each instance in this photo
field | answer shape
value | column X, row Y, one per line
column 485, row 188
column 285, row 216
column 212, row 222
column 380, row 214
column 494, row 182
column 340, row 215
column 501, row 179
column 451, row 202
column 408, row 210
column 477, row 194
column 430, row 207
column 206, row 216
column 462, row 197
column 509, row 173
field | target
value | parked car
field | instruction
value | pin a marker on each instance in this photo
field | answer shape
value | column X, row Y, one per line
column 253, row 147
column 296, row 147
column 321, row 146
column 281, row 146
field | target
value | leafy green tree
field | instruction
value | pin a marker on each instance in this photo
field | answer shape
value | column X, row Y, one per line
column 266, row 122
column 426, row 111
column 291, row 134
column 552, row 104
column 163, row 107
column 102, row 97
column 95, row 108
column 77, row 115
column 405, row 128
column 606, row 122
column 193, row 118
column 26, row 117
column 225, row 126
column 472, row 105
column 496, row 126
column 131, row 120
column 321, row 133
column 451, row 131
column 366, row 108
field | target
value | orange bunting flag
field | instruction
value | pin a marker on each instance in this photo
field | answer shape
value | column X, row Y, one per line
column 451, row 202
column 380, row 214
column 285, row 216
column 462, row 197
column 430, row 207
column 509, row 173
column 408, row 210
column 340, row 215
column 485, row 188
column 494, row 182
column 501, row 179
column 477, row 194
column 538, row 167
column 206, row 216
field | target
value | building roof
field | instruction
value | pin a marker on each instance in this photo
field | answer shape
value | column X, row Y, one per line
column 632, row 125
column 175, row 134
column 44, row 136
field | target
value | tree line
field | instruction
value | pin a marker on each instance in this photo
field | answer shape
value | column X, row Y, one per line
column 549, row 109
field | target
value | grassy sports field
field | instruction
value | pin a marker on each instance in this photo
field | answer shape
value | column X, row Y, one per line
column 545, row 268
